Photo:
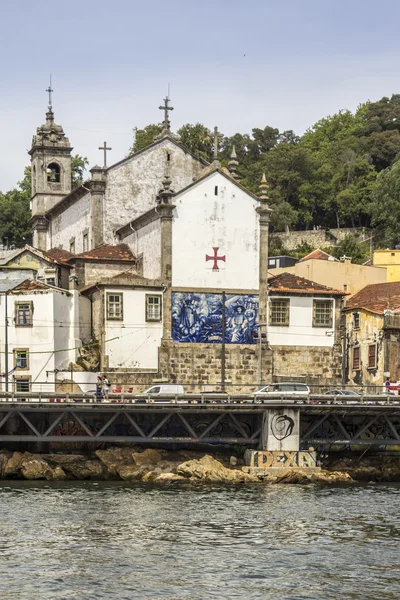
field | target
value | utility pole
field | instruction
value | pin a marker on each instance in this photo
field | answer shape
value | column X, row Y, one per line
column 223, row 344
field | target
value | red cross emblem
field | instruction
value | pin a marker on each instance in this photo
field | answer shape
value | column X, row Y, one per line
column 215, row 258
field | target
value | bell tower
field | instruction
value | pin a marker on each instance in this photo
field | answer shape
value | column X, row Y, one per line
column 50, row 172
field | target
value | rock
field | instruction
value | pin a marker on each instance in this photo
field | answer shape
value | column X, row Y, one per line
column 233, row 461
column 36, row 468
column 13, row 464
column 5, row 455
column 147, row 457
column 87, row 469
column 131, row 472
column 114, row 457
column 290, row 476
column 169, row 478
column 331, row 477
column 210, row 469
column 63, row 459
column 59, row 474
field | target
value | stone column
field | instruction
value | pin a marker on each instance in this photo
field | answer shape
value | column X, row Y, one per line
column 264, row 214
column 40, row 227
column 281, row 429
column 97, row 191
column 166, row 213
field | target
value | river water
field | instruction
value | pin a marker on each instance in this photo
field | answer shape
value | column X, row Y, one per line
column 116, row 541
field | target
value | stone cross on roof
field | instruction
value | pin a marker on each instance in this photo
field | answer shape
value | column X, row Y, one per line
column 166, row 108
column 217, row 136
column 105, row 148
column 50, row 91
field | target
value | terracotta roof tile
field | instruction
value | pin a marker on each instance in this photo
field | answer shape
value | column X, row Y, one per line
column 319, row 255
column 58, row 254
column 31, row 285
column 107, row 252
column 376, row 298
column 287, row 282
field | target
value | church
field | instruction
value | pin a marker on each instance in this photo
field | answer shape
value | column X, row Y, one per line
column 173, row 254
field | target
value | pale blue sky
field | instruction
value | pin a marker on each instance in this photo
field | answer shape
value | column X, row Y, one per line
column 236, row 64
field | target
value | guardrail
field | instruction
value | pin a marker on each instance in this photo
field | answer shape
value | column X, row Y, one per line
column 206, row 398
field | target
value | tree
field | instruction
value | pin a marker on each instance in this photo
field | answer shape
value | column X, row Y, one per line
column 385, row 206
column 78, row 167
column 198, row 139
column 144, row 137
column 351, row 247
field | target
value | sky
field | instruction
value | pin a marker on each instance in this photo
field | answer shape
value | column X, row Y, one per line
column 234, row 64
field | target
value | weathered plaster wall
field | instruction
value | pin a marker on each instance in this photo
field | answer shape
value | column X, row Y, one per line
column 227, row 221
column 136, row 340
column 147, row 241
column 92, row 272
column 370, row 332
column 71, row 223
column 132, row 186
column 300, row 331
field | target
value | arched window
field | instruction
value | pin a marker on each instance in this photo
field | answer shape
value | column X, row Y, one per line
column 53, row 173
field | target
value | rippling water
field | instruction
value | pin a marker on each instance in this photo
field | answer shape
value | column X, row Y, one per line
column 116, row 541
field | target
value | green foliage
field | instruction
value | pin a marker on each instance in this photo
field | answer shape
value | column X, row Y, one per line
column 358, row 251
column 198, row 139
column 302, row 250
column 78, row 167
column 144, row 137
column 386, row 206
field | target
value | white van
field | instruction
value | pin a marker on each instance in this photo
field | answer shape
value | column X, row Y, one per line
column 164, row 389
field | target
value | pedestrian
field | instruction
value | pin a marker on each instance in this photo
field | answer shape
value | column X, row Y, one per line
column 99, row 389
column 387, row 384
column 106, row 387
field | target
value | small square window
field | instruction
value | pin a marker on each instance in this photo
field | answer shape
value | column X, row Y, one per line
column 356, row 358
column 22, row 384
column 85, row 242
column 114, row 307
column 23, row 314
column 279, row 312
column 322, row 313
column 21, row 359
column 372, row 356
column 153, row 307
column 72, row 245
column 356, row 320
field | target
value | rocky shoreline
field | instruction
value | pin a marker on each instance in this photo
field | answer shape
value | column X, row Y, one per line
column 174, row 467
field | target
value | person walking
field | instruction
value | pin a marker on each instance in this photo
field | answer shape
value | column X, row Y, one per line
column 99, row 389
column 106, row 387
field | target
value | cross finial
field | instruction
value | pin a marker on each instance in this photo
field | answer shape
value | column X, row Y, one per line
column 217, row 136
column 166, row 108
column 50, row 91
column 105, row 148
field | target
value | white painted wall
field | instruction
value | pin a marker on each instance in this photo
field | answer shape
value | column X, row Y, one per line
column 50, row 341
column 71, row 223
column 137, row 341
column 227, row 221
column 147, row 241
column 132, row 186
column 300, row 331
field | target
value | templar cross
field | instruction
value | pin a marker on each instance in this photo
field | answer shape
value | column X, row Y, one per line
column 49, row 91
column 215, row 258
column 166, row 108
column 217, row 136
column 105, row 148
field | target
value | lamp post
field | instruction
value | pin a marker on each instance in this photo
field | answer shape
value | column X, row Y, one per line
column 259, row 334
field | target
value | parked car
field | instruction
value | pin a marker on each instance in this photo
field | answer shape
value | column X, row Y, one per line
column 291, row 389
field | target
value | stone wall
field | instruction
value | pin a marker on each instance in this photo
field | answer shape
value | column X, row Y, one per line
column 319, row 238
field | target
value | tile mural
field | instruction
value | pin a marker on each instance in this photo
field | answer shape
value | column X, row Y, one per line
column 198, row 318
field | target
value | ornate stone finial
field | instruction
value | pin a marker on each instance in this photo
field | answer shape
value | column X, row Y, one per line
column 263, row 187
column 217, row 137
column 233, row 164
column 165, row 194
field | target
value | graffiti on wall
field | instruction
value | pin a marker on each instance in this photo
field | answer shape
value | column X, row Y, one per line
column 198, row 318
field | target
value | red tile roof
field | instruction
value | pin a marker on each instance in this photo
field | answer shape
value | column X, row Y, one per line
column 31, row 285
column 58, row 254
column 120, row 252
column 376, row 298
column 319, row 255
column 287, row 282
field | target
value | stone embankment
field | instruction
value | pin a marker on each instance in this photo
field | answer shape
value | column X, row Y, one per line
column 159, row 466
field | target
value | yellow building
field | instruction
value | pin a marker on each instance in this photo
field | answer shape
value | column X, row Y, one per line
column 390, row 259
column 323, row 268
